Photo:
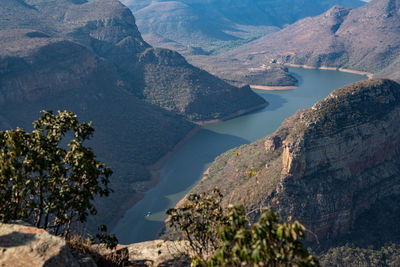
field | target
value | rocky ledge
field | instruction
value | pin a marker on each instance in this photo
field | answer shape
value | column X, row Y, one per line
column 24, row 245
column 325, row 165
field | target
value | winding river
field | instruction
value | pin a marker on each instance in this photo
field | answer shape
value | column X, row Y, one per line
column 186, row 166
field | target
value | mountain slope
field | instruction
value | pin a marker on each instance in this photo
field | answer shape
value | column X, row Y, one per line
column 210, row 24
column 365, row 39
column 108, row 28
column 58, row 74
column 89, row 57
column 327, row 166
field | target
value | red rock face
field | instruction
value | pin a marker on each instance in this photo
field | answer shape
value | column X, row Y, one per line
column 337, row 168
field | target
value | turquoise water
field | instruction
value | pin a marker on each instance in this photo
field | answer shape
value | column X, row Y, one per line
column 185, row 168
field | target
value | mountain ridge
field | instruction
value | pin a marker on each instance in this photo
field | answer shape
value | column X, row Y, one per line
column 108, row 28
column 363, row 39
column 325, row 166
column 197, row 23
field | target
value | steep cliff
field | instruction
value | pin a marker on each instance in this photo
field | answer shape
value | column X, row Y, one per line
column 325, row 166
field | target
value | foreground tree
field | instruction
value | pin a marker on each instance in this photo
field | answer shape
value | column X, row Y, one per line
column 198, row 221
column 48, row 180
column 228, row 239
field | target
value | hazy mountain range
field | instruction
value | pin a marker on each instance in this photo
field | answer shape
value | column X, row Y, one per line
column 212, row 26
column 365, row 39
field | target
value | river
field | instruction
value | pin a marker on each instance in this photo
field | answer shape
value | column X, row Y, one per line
column 186, row 166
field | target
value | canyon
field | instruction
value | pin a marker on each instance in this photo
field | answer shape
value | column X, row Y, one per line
column 89, row 57
column 324, row 166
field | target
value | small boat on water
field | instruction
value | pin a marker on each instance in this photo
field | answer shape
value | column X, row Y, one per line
column 147, row 214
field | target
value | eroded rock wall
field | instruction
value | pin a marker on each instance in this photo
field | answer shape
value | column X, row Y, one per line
column 325, row 165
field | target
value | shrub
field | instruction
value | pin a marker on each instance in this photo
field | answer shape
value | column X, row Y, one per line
column 218, row 238
column 48, row 180
column 198, row 221
column 268, row 242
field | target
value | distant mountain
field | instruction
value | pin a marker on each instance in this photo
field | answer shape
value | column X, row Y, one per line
column 89, row 57
column 364, row 39
column 219, row 24
column 334, row 167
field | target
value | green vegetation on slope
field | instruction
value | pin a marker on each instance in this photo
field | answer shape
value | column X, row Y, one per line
column 351, row 256
column 224, row 46
column 195, row 93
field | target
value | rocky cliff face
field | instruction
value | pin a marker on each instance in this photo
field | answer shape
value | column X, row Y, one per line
column 325, row 165
column 344, row 160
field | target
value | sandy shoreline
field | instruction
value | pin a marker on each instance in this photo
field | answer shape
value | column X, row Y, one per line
column 368, row 74
column 156, row 167
column 272, row 88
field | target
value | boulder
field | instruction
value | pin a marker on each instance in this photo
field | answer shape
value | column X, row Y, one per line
column 25, row 245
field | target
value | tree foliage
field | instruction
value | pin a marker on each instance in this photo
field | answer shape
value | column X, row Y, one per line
column 226, row 238
column 47, row 180
column 198, row 220
column 268, row 242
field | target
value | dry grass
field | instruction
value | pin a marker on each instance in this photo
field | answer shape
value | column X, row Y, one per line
column 103, row 257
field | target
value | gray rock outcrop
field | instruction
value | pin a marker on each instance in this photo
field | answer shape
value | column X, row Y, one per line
column 22, row 245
